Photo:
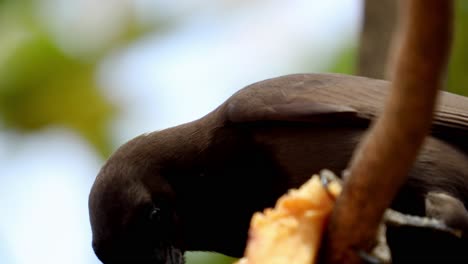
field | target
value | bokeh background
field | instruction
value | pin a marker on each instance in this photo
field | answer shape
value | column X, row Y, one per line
column 78, row 78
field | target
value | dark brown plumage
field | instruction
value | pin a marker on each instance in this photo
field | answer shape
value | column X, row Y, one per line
column 195, row 186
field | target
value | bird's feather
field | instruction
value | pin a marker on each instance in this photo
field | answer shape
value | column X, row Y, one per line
column 332, row 98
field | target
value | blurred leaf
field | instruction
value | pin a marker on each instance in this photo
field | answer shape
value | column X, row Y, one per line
column 207, row 258
column 458, row 66
column 345, row 61
column 40, row 86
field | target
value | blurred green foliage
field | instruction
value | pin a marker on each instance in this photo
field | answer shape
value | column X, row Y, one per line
column 458, row 66
column 345, row 60
column 40, row 86
column 208, row 258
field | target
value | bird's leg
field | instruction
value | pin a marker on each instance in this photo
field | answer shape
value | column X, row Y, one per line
column 443, row 213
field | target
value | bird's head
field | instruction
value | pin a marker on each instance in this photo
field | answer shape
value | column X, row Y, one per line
column 134, row 220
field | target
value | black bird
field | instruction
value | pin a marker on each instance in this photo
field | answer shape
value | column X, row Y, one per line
column 195, row 186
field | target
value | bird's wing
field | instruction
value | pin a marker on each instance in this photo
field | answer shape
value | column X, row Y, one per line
column 336, row 98
column 308, row 98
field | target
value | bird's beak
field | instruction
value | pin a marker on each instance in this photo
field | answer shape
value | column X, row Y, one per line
column 175, row 256
column 169, row 255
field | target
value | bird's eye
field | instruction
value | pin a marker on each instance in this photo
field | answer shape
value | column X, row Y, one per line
column 155, row 214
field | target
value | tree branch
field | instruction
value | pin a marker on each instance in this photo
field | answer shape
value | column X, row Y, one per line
column 375, row 37
column 381, row 163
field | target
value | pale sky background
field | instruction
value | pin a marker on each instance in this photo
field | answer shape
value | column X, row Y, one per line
column 160, row 81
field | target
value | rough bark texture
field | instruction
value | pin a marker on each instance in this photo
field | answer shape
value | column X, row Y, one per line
column 376, row 35
column 381, row 163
